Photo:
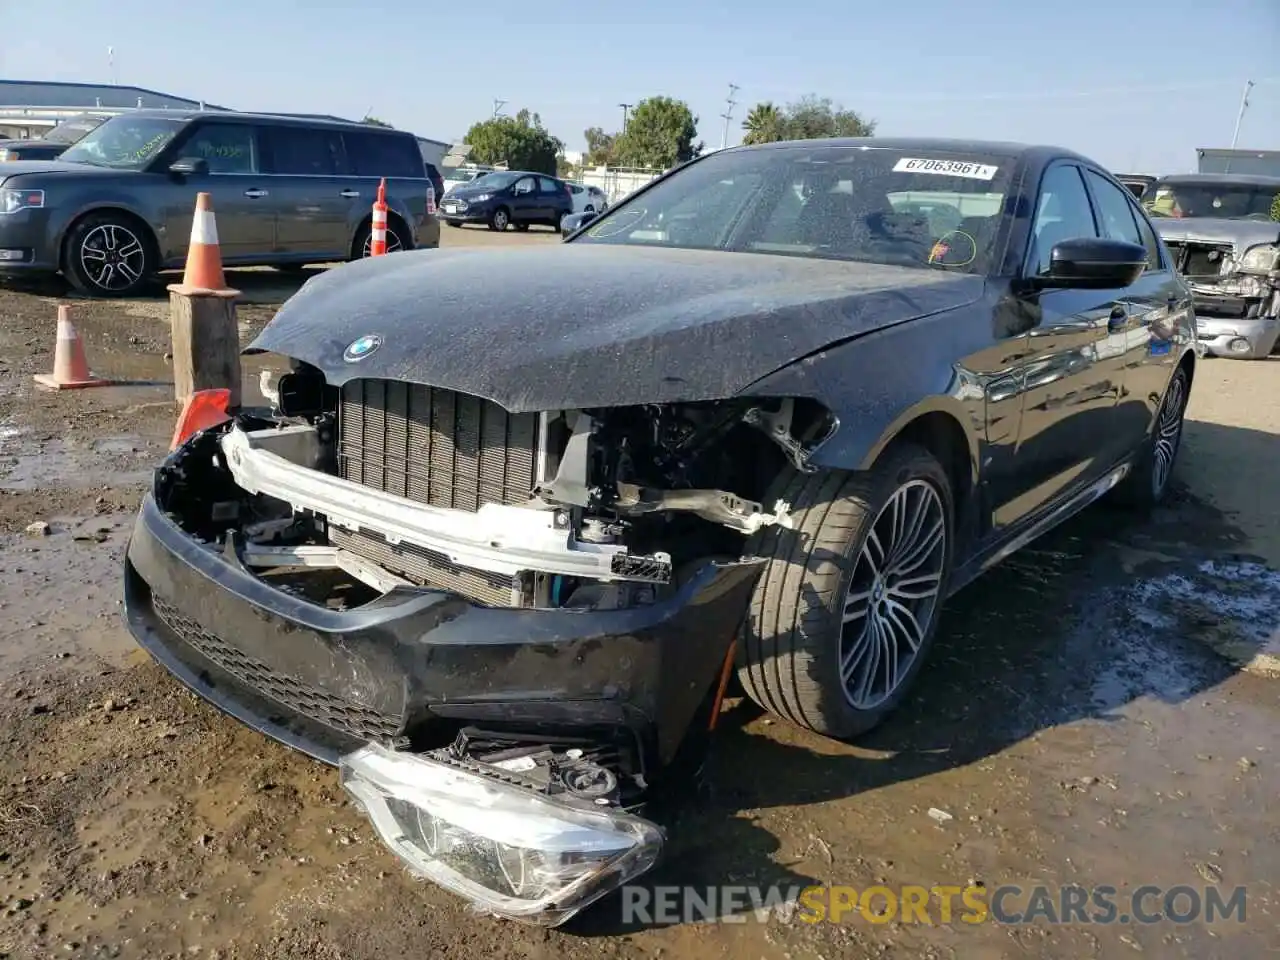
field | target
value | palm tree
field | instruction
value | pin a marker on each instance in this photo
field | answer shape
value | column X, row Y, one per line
column 764, row 124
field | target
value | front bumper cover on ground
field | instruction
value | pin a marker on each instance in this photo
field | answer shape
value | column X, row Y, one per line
column 326, row 682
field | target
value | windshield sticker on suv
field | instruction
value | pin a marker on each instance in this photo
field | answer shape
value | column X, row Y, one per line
column 947, row 168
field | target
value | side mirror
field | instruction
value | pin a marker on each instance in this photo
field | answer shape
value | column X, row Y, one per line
column 576, row 221
column 189, row 166
column 1094, row 263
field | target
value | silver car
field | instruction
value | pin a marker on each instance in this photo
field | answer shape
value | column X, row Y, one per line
column 1223, row 231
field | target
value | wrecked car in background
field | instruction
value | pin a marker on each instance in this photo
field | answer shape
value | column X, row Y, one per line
column 500, row 543
column 1224, row 233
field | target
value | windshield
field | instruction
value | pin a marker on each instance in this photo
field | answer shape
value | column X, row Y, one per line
column 125, row 143
column 69, row 131
column 1229, row 201
column 496, row 180
column 839, row 203
column 463, row 176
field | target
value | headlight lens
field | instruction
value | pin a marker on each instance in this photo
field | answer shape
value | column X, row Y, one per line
column 508, row 849
column 11, row 201
column 481, row 197
column 1259, row 259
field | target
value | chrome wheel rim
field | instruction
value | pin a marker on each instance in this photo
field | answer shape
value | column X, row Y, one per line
column 112, row 257
column 393, row 243
column 893, row 594
column 1168, row 432
column 500, row 220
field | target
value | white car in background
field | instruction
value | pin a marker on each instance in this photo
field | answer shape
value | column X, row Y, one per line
column 587, row 197
column 460, row 176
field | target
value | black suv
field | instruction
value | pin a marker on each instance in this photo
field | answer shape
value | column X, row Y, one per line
column 117, row 205
column 505, row 197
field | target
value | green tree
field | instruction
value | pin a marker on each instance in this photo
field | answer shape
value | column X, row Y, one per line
column 765, row 124
column 659, row 134
column 375, row 122
column 600, row 147
column 522, row 142
column 812, row 117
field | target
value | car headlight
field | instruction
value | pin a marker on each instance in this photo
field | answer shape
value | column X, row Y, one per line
column 13, row 200
column 510, row 850
column 1259, row 259
column 481, row 197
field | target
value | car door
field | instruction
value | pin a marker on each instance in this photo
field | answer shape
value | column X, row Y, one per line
column 311, row 196
column 525, row 203
column 237, row 185
column 1071, row 373
column 1154, row 305
column 554, row 198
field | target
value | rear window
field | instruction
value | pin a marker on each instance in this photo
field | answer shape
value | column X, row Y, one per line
column 373, row 154
column 304, row 151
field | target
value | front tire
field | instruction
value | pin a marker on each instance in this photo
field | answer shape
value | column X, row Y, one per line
column 106, row 255
column 847, row 606
column 500, row 219
column 364, row 240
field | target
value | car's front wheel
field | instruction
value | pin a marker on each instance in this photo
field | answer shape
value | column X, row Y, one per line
column 107, row 255
column 1148, row 481
column 364, row 241
column 500, row 219
column 848, row 603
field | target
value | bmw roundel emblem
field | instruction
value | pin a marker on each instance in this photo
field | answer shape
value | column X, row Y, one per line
column 359, row 349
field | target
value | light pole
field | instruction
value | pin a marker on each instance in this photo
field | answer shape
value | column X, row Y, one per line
column 626, row 112
column 728, row 114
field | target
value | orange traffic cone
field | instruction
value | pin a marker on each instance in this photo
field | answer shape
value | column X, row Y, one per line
column 378, row 229
column 70, row 368
column 203, row 273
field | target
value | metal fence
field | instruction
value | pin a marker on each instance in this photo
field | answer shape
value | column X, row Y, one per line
column 617, row 182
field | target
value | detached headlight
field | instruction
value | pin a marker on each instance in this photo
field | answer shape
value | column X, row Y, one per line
column 1259, row 259
column 11, row 201
column 508, row 849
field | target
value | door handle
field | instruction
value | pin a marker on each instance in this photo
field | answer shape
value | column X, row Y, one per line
column 1119, row 315
column 350, row 194
column 255, row 193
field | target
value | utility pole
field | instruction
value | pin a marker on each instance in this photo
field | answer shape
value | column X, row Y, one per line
column 626, row 113
column 728, row 113
column 497, row 107
column 111, row 65
column 1244, row 105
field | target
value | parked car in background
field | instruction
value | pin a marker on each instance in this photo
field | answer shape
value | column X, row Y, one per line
column 775, row 427
column 588, row 198
column 1223, row 231
column 54, row 142
column 505, row 198
column 1136, row 182
column 461, row 176
column 117, row 206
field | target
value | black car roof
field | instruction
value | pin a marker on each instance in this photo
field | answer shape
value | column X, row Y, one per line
column 231, row 116
column 1222, row 179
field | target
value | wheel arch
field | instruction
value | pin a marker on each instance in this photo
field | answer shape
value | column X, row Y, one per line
column 394, row 219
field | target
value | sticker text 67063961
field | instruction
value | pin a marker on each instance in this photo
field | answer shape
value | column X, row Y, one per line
column 946, row 168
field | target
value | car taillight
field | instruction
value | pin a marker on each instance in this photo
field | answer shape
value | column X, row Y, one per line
column 203, row 409
column 431, row 200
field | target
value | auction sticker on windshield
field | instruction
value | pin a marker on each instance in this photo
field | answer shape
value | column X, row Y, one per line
column 947, row 168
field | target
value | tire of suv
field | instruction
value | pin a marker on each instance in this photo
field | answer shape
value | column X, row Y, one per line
column 364, row 237
column 1148, row 481
column 500, row 219
column 107, row 255
column 847, row 606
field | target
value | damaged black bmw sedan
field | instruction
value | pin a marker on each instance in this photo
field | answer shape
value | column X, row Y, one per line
column 515, row 517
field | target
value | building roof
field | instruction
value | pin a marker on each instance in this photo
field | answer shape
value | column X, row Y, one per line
column 39, row 93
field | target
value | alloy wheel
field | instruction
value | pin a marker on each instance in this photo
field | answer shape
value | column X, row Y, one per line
column 393, row 243
column 893, row 595
column 112, row 257
column 500, row 220
column 1168, row 433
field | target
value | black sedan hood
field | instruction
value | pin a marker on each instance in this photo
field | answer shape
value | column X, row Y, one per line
column 586, row 325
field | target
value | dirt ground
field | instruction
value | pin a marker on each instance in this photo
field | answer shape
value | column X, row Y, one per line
column 1087, row 718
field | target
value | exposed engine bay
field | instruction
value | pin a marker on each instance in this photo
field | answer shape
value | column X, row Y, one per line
column 1228, row 281
column 343, row 494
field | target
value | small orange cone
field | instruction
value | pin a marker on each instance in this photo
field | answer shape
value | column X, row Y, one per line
column 203, row 273
column 378, row 230
column 70, row 368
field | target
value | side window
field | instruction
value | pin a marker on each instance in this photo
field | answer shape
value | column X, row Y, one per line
column 303, row 151
column 547, row 185
column 1154, row 260
column 524, row 185
column 1113, row 210
column 383, row 155
column 1062, row 213
column 226, row 147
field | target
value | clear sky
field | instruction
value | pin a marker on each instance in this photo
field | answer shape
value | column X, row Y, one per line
column 1136, row 84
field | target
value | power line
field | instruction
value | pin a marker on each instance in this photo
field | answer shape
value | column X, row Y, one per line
column 728, row 113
